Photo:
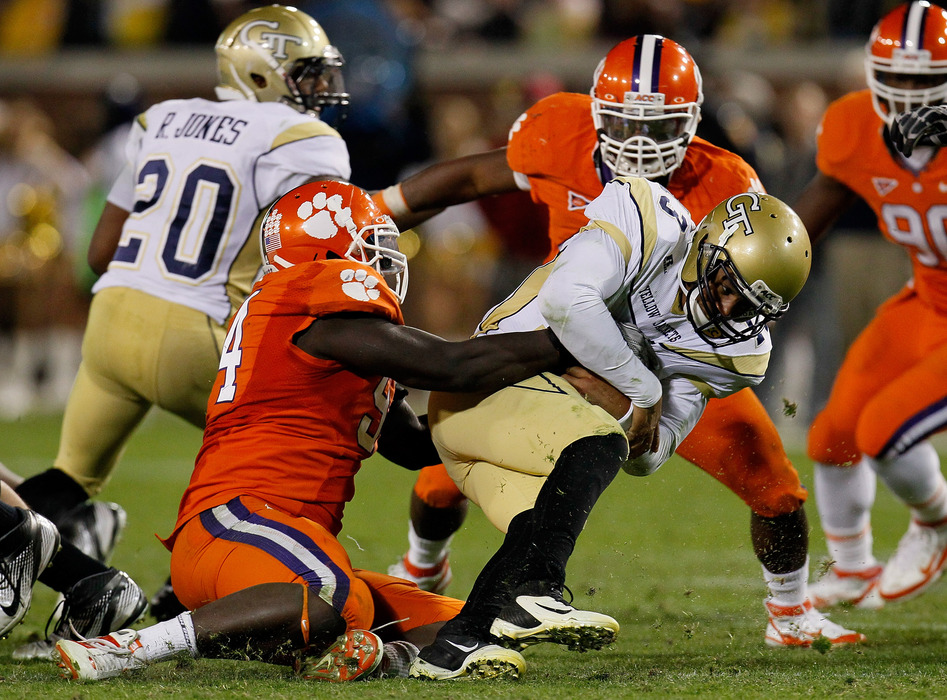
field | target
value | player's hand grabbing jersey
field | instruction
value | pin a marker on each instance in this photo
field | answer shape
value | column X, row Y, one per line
column 198, row 173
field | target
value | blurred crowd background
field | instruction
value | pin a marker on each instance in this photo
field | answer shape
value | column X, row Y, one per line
column 430, row 79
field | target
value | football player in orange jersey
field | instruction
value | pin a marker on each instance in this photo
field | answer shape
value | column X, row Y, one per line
column 890, row 394
column 640, row 120
column 302, row 396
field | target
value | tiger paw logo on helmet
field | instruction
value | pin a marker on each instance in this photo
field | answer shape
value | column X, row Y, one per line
column 323, row 216
column 359, row 285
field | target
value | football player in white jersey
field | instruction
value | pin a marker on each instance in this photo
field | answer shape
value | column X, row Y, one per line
column 174, row 244
column 669, row 315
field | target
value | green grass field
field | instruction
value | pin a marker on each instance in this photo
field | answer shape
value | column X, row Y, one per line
column 668, row 556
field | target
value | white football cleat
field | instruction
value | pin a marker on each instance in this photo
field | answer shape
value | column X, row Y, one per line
column 856, row 588
column 801, row 625
column 916, row 564
column 547, row 617
column 101, row 657
column 435, row 578
column 453, row 657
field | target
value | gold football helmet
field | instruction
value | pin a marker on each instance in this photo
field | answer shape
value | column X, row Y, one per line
column 279, row 54
column 757, row 245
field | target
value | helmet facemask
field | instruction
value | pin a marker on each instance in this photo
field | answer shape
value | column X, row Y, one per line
column 758, row 307
column 377, row 247
column 642, row 141
column 902, row 85
column 315, row 83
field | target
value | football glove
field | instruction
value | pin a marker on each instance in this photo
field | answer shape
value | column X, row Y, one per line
column 924, row 126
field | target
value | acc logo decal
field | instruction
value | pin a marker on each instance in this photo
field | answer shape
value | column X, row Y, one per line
column 883, row 185
column 577, row 201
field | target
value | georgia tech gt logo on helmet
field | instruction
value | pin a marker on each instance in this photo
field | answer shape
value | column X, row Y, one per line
column 739, row 215
column 274, row 41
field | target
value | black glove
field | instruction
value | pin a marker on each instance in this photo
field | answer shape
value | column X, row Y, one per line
column 924, row 126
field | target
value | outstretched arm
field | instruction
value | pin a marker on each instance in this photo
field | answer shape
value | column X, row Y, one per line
column 822, row 201
column 415, row 358
column 465, row 179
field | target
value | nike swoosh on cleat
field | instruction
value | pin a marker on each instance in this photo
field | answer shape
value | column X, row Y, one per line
column 558, row 611
column 14, row 606
column 463, row 648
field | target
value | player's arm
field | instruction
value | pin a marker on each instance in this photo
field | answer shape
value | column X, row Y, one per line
column 374, row 346
column 405, row 438
column 465, row 179
column 822, row 201
column 105, row 238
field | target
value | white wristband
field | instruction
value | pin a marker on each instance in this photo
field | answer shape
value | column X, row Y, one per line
column 394, row 200
column 625, row 420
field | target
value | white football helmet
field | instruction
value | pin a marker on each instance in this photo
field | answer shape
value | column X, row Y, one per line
column 906, row 59
column 279, row 54
column 646, row 98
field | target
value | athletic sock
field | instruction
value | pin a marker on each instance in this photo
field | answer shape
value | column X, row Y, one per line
column 169, row 639
column 424, row 553
column 844, row 496
column 787, row 589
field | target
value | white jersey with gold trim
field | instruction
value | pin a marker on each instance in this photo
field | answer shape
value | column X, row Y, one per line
column 198, row 175
column 624, row 267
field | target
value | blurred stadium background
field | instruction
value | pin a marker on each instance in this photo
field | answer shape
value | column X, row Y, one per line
column 430, row 79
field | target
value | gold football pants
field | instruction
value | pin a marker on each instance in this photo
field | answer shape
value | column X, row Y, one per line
column 138, row 351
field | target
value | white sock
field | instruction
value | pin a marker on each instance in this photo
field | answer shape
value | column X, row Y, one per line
column 424, row 553
column 915, row 478
column 787, row 589
column 168, row 639
column 844, row 496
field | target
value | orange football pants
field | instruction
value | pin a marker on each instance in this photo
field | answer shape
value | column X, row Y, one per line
column 734, row 441
column 247, row 542
column 891, row 390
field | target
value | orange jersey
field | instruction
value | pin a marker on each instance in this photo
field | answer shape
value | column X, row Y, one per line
column 554, row 143
column 910, row 206
column 284, row 426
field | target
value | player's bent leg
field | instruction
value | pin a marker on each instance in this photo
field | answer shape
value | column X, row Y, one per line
column 921, row 556
column 247, row 542
column 438, row 509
